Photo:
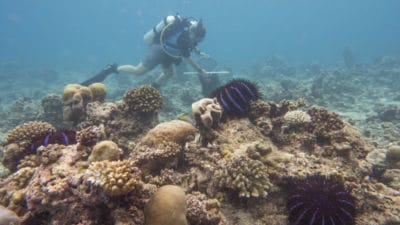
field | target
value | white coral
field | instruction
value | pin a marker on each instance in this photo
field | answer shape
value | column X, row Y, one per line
column 296, row 117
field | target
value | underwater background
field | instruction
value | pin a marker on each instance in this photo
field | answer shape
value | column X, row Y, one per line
column 324, row 112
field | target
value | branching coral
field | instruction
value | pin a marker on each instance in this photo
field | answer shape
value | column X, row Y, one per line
column 143, row 99
column 247, row 176
column 114, row 177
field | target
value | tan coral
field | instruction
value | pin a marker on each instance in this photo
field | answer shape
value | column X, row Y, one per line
column 74, row 99
column 99, row 91
column 296, row 118
column 246, row 176
column 176, row 131
column 105, row 150
column 167, row 206
column 207, row 112
column 114, row 177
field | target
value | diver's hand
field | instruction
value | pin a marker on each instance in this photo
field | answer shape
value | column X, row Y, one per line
column 111, row 68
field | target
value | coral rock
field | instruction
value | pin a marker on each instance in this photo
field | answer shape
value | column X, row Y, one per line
column 167, row 206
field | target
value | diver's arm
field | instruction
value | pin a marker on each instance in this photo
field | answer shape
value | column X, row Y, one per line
column 196, row 66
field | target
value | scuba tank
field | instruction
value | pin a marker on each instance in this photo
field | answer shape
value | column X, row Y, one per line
column 151, row 36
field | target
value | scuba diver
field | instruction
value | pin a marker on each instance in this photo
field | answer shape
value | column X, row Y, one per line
column 170, row 41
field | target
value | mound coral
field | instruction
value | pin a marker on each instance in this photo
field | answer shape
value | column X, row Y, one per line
column 320, row 200
column 246, row 176
column 105, row 150
column 99, row 91
column 235, row 97
column 143, row 99
column 74, row 99
column 114, row 177
column 167, row 206
column 176, row 131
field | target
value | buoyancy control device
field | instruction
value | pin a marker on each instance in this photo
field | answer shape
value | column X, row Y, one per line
column 151, row 36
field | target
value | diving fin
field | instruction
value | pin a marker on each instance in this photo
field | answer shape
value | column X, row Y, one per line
column 102, row 75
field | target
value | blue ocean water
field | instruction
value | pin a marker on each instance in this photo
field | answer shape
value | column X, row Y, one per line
column 91, row 33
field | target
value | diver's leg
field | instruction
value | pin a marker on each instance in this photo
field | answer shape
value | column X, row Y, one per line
column 136, row 70
column 167, row 73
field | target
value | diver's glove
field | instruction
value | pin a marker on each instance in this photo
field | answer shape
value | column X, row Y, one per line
column 111, row 68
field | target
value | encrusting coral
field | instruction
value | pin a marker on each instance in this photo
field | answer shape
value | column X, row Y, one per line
column 114, row 177
column 167, row 206
column 143, row 99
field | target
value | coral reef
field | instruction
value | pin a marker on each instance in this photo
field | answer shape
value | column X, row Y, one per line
column 167, row 206
column 114, row 177
column 235, row 96
column 143, row 99
column 256, row 157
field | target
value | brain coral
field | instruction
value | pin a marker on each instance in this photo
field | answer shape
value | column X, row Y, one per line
column 114, row 177
column 247, row 176
column 167, row 206
column 99, row 91
column 143, row 99
column 176, row 131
